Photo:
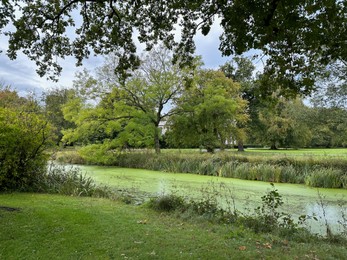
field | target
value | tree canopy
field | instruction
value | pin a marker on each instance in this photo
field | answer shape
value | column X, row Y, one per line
column 296, row 36
column 208, row 113
column 130, row 110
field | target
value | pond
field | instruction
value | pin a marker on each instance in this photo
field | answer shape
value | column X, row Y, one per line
column 244, row 195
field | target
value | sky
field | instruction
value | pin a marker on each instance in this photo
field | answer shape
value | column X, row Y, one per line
column 21, row 74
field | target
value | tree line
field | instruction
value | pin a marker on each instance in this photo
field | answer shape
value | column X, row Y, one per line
column 124, row 103
column 162, row 105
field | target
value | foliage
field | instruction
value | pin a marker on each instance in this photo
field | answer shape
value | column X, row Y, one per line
column 326, row 178
column 25, row 135
column 168, row 202
column 240, row 70
column 208, row 113
column 297, row 37
column 127, row 112
column 284, row 124
column 329, row 126
column 268, row 219
column 54, row 100
column 332, row 91
column 98, row 154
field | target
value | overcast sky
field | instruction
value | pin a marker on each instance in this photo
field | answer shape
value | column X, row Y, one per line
column 21, row 73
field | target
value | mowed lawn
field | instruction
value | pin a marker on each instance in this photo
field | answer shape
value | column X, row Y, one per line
column 304, row 152
column 338, row 152
column 39, row 226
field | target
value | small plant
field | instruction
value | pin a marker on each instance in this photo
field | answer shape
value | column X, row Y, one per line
column 268, row 218
column 167, row 203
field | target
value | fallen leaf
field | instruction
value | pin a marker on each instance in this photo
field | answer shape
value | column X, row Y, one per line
column 242, row 248
column 267, row 245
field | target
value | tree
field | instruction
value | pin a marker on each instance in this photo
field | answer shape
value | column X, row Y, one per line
column 328, row 126
column 332, row 91
column 24, row 136
column 54, row 100
column 240, row 69
column 296, row 37
column 141, row 102
column 284, row 124
column 329, row 111
column 208, row 113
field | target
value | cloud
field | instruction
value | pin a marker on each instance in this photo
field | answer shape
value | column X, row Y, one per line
column 207, row 46
column 21, row 73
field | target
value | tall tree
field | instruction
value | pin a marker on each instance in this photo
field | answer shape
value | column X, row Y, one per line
column 54, row 100
column 240, row 69
column 145, row 99
column 296, row 37
column 284, row 124
column 208, row 113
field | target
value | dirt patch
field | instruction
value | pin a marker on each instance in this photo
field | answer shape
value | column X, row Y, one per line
column 9, row 208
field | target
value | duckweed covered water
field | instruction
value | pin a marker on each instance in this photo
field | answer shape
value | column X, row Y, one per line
column 243, row 194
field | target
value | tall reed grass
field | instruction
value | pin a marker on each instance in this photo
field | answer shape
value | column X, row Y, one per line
column 315, row 172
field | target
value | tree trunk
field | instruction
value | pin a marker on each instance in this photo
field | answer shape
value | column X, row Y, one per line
column 273, row 147
column 156, row 140
column 210, row 149
column 240, row 147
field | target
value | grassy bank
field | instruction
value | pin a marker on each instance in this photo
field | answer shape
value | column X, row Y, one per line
column 34, row 226
column 314, row 171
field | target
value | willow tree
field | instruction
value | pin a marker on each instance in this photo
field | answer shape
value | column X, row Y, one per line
column 209, row 112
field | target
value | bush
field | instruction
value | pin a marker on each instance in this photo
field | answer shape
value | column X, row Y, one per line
column 23, row 139
column 167, row 203
column 98, row 154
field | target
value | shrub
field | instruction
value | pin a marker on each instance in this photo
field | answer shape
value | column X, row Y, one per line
column 98, row 154
column 23, row 139
column 167, row 203
column 267, row 218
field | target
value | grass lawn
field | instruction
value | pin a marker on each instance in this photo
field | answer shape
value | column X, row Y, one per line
column 61, row 227
column 340, row 153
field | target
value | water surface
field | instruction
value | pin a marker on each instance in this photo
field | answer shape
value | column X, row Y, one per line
column 245, row 195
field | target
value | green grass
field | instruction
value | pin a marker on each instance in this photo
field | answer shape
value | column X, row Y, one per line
column 267, row 151
column 331, row 152
column 60, row 227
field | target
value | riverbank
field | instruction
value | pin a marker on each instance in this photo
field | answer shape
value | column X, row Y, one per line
column 64, row 227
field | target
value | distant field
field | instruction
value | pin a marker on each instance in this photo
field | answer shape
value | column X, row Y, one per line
column 339, row 152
